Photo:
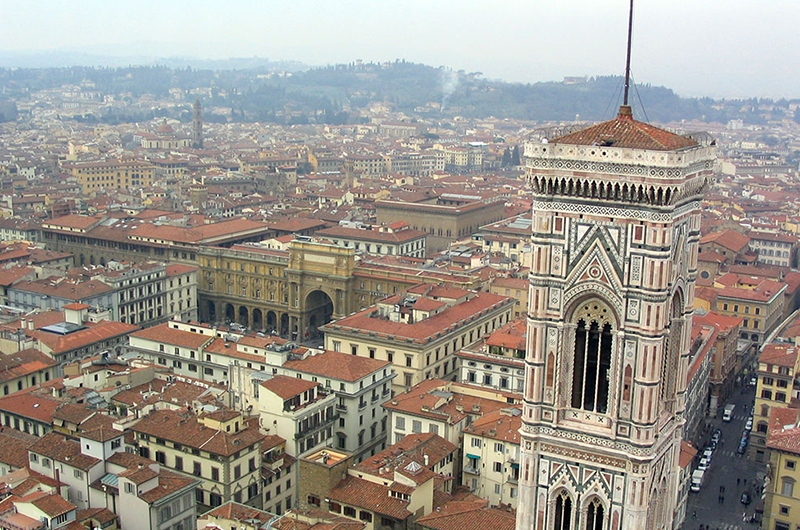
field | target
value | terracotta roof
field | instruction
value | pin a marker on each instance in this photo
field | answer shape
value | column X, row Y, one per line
column 174, row 269
column 12, row 274
column 369, row 496
column 64, row 288
column 623, row 131
column 729, row 239
column 784, row 429
column 30, row 405
column 287, row 387
column 410, row 448
column 23, row 363
column 73, row 413
column 60, row 448
column 498, row 425
column 14, row 449
column 722, row 323
column 511, row 335
column 239, row 512
column 164, row 333
column 422, row 330
column 432, row 399
column 337, row 365
column 466, row 515
column 52, row 504
column 187, row 430
column 99, row 332
column 400, row 236
column 779, row 354
column 168, row 483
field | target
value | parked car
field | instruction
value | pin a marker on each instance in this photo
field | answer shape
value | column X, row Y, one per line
column 742, row 446
column 704, row 463
column 716, row 437
column 745, row 498
column 749, row 424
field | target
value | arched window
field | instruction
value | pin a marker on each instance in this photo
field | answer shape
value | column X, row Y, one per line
column 765, row 410
column 594, row 515
column 671, row 357
column 563, row 514
column 592, row 358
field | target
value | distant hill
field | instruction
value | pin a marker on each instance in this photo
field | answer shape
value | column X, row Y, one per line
column 258, row 89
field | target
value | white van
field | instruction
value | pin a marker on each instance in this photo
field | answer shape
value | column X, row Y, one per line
column 697, row 480
column 728, row 414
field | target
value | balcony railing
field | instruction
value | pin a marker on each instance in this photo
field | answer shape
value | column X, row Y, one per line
column 341, row 408
column 302, row 433
column 472, row 470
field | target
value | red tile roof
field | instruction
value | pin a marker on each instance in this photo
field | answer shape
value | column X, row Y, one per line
column 422, row 330
column 168, row 335
column 729, row 239
column 623, row 131
column 23, row 363
column 186, row 430
column 498, row 425
column 779, row 354
column 337, row 365
column 287, row 387
column 99, row 332
column 468, row 515
column 62, row 449
column 369, row 496
column 784, row 429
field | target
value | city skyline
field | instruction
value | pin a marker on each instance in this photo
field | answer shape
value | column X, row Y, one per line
column 731, row 55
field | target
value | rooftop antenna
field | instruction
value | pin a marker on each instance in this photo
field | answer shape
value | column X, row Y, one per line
column 628, row 58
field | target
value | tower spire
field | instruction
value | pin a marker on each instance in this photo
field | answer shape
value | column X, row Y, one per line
column 628, row 58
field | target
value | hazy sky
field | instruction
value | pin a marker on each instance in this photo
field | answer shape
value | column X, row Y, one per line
column 697, row 47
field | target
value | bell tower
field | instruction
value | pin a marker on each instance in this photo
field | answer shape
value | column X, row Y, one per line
column 197, row 125
column 616, row 226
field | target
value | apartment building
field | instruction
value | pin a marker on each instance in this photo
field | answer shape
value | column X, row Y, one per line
column 774, row 248
column 498, row 360
column 516, row 288
column 360, row 385
column 782, row 492
column 204, row 352
column 58, row 457
column 759, row 302
column 396, row 486
column 491, row 457
column 725, row 364
column 220, row 449
column 444, row 408
column 180, row 292
column 396, row 239
column 113, row 174
column 775, row 388
column 301, row 411
column 420, row 330
column 279, row 476
column 25, row 369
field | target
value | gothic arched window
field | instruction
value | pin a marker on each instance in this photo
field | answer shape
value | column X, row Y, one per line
column 592, row 359
column 671, row 357
column 594, row 515
column 563, row 515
